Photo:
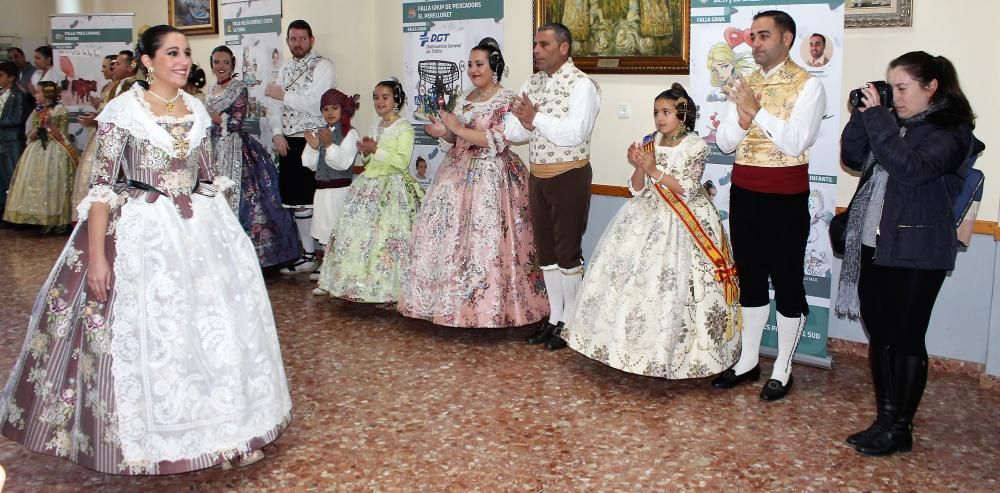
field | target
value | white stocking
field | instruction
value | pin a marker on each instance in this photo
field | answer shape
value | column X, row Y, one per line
column 553, row 285
column 754, row 320
column 789, row 331
column 570, row 282
column 303, row 221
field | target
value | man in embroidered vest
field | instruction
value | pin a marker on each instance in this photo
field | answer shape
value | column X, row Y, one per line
column 301, row 83
column 772, row 121
column 556, row 113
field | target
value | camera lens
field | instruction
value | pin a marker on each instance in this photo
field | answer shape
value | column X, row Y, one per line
column 855, row 99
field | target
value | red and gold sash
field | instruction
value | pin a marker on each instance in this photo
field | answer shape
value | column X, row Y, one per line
column 725, row 269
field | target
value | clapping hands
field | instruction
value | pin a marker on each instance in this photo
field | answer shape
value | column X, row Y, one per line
column 525, row 109
column 87, row 119
column 747, row 103
column 436, row 128
column 311, row 139
column 325, row 136
column 641, row 158
column 367, row 145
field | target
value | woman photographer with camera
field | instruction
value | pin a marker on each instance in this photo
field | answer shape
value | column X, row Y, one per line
column 900, row 238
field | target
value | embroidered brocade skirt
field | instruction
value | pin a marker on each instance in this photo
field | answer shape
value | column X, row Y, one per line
column 473, row 261
column 649, row 303
column 177, row 371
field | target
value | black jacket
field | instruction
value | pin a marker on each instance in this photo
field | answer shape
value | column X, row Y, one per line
column 916, row 229
column 14, row 115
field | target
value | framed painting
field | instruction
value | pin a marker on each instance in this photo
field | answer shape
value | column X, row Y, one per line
column 624, row 36
column 878, row 13
column 194, row 16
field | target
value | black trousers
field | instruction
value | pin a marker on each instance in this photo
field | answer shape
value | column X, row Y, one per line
column 296, row 183
column 896, row 304
column 769, row 234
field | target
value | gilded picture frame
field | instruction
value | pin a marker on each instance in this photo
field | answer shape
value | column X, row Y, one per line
column 194, row 17
column 878, row 13
column 624, row 36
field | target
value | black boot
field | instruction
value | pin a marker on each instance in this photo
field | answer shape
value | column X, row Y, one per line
column 880, row 361
column 545, row 329
column 909, row 377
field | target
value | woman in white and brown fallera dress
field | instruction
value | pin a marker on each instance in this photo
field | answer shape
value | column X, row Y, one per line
column 151, row 348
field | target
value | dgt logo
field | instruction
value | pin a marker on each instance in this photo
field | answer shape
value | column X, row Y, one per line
column 433, row 38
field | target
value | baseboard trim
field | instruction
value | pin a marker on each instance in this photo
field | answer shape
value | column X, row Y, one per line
column 980, row 228
column 969, row 369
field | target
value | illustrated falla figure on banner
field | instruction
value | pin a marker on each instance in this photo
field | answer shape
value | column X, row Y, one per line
column 725, row 64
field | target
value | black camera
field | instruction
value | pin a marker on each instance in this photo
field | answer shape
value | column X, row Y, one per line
column 881, row 87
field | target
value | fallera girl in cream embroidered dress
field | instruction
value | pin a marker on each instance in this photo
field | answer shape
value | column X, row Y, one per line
column 180, row 369
column 649, row 302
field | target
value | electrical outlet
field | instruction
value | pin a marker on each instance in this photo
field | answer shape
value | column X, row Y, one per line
column 624, row 110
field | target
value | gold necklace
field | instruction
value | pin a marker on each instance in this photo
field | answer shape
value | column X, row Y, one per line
column 388, row 123
column 479, row 97
column 676, row 137
column 167, row 104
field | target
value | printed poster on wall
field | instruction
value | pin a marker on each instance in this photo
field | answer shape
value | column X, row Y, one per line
column 79, row 44
column 253, row 31
column 720, row 50
column 437, row 37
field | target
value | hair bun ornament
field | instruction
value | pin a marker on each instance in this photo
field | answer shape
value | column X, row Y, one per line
column 392, row 78
column 488, row 41
column 356, row 101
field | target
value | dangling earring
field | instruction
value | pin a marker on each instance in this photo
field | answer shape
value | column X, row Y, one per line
column 150, row 75
column 395, row 108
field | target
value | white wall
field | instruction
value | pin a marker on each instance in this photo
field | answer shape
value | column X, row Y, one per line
column 29, row 20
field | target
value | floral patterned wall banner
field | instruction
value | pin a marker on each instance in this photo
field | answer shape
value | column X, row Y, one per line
column 253, row 30
column 720, row 51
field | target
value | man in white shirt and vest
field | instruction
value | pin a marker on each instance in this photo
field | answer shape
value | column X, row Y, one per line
column 555, row 113
column 772, row 121
column 301, row 83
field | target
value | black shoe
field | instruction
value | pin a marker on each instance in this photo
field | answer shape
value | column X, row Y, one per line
column 864, row 437
column 729, row 378
column 898, row 438
column 773, row 390
column 545, row 330
column 555, row 342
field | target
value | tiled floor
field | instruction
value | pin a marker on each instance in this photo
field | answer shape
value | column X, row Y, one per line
column 383, row 403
